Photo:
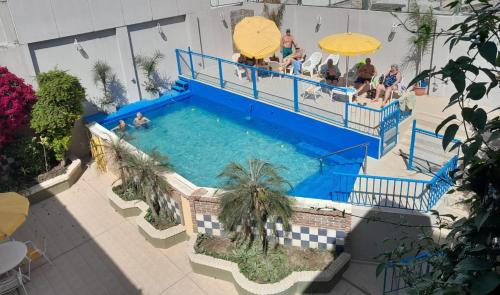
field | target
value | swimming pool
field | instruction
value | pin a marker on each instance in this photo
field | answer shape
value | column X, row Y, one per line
column 200, row 137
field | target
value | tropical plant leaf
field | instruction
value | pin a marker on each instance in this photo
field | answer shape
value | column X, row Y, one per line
column 486, row 283
column 488, row 51
column 476, row 91
column 449, row 135
column 445, row 121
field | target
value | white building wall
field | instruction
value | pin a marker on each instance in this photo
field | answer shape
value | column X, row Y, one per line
column 49, row 27
column 145, row 39
column 62, row 54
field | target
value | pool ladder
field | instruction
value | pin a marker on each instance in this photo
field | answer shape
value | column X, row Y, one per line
column 365, row 145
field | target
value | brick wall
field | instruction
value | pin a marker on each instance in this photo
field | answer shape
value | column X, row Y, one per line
column 309, row 228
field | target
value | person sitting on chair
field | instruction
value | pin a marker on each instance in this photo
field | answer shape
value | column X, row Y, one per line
column 296, row 56
column 389, row 83
column 365, row 74
column 330, row 73
column 141, row 121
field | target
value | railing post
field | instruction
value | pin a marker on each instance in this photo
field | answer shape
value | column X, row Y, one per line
column 177, row 57
column 398, row 116
column 346, row 114
column 191, row 62
column 295, row 94
column 254, row 82
column 412, row 144
column 221, row 79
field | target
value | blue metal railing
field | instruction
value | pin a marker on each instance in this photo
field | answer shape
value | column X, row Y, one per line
column 375, row 122
column 393, row 192
column 414, row 131
column 395, row 278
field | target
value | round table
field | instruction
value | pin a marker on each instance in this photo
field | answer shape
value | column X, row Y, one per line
column 11, row 255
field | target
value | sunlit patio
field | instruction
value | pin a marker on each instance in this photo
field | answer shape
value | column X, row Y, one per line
column 96, row 251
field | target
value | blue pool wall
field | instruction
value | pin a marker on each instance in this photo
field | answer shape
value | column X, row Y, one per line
column 141, row 106
column 331, row 134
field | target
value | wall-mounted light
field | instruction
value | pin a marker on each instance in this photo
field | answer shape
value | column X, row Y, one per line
column 78, row 46
column 393, row 32
column 318, row 23
column 223, row 20
column 80, row 49
column 160, row 31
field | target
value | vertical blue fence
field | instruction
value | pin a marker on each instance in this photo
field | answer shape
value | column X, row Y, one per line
column 395, row 278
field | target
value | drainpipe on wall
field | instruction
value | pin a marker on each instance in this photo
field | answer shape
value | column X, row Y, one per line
column 201, row 43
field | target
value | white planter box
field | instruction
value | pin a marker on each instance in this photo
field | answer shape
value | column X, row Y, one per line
column 160, row 238
column 53, row 186
column 295, row 283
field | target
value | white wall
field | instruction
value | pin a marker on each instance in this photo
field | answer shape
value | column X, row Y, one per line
column 146, row 39
column 62, row 54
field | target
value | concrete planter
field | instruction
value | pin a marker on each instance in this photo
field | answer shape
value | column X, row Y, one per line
column 160, row 238
column 49, row 188
column 125, row 208
column 295, row 283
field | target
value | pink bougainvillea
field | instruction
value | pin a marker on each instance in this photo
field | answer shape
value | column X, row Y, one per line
column 16, row 100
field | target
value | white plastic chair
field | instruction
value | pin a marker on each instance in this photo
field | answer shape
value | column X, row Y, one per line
column 334, row 57
column 35, row 252
column 11, row 282
column 311, row 64
column 310, row 91
column 239, row 72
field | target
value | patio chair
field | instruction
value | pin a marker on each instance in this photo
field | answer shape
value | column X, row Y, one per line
column 11, row 282
column 239, row 72
column 311, row 64
column 35, row 252
column 310, row 91
column 274, row 67
column 334, row 57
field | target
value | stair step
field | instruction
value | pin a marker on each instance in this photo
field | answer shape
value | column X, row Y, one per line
column 181, row 83
column 178, row 88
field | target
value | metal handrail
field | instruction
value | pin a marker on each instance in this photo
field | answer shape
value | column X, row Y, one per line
column 320, row 159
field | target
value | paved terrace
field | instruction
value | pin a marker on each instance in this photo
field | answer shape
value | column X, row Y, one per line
column 97, row 251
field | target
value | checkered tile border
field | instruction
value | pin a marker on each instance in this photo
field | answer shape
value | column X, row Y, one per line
column 174, row 207
column 300, row 236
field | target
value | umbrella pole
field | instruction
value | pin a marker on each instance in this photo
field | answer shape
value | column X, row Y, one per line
column 346, row 70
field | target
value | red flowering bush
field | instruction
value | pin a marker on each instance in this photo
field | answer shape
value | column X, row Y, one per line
column 16, row 100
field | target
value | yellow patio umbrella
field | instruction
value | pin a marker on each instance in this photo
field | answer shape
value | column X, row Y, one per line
column 13, row 212
column 257, row 37
column 349, row 44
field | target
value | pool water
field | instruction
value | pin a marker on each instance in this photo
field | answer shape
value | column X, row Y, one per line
column 201, row 138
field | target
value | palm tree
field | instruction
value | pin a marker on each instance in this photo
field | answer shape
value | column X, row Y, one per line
column 119, row 153
column 275, row 15
column 149, row 67
column 103, row 74
column 150, row 185
column 252, row 197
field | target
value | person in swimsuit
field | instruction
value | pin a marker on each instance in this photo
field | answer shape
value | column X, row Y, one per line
column 122, row 126
column 287, row 42
column 365, row 74
column 389, row 83
column 330, row 72
column 297, row 55
column 141, row 121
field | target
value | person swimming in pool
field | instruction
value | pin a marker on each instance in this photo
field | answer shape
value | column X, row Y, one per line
column 122, row 126
column 141, row 121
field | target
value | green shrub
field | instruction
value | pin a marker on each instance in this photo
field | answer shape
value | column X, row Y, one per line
column 59, row 105
column 29, row 162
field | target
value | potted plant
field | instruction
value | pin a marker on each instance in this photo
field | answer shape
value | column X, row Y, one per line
column 422, row 25
column 151, row 187
column 252, row 197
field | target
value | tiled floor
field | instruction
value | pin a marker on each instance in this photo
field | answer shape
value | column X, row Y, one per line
column 96, row 251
